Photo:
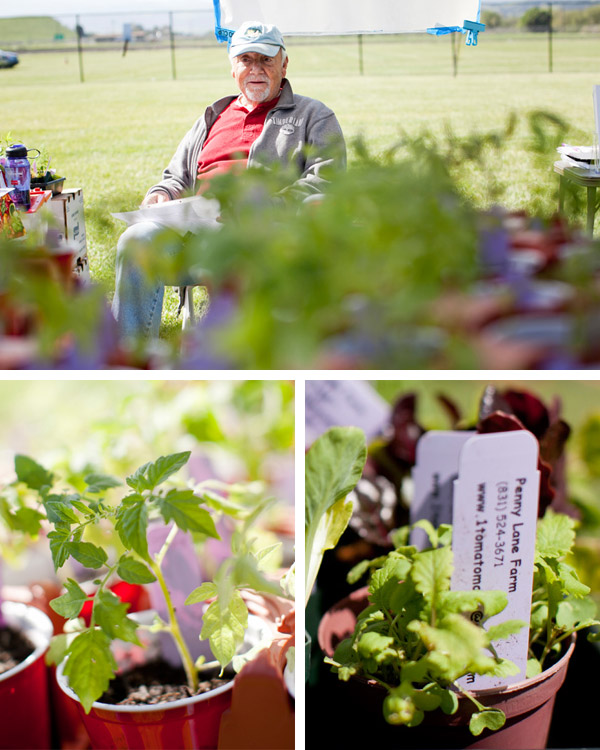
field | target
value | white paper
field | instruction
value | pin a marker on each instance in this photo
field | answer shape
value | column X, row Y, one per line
column 332, row 403
column 495, row 514
column 183, row 215
column 433, row 476
column 349, row 16
column 577, row 156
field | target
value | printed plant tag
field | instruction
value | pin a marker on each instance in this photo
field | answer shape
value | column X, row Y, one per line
column 495, row 514
column 434, row 473
column 333, row 403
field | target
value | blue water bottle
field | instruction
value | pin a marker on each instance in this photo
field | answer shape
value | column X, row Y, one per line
column 18, row 175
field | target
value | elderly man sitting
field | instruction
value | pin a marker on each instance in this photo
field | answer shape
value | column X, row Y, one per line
column 266, row 123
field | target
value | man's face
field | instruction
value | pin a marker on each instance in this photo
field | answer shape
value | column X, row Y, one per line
column 258, row 77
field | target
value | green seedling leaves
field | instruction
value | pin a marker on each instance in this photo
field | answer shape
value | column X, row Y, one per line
column 134, row 571
column 132, row 523
column 151, row 474
column 183, row 507
column 31, row 473
column 90, row 666
column 97, row 483
column 59, row 540
column 224, row 624
column 69, row 605
column 58, row 509
column 203, row 593
column 571, row 582
column 89, row 662
column 88, row 554
column 431, row 572
column 555, row 535
column 57, row 649
column 334, row 465
column 27, row 520
column 490, row 718
column 504, row 630
column 110, row 613
column 417, row 639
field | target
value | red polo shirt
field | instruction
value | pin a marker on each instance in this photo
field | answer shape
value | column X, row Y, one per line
column 229, row 140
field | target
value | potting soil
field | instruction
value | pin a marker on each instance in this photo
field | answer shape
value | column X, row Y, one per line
column 14, row 648
column 155, row 682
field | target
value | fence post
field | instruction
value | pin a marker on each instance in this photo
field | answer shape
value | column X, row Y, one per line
column 550, row 38
column 361, row 68
column 79, row 30
column 172, row 41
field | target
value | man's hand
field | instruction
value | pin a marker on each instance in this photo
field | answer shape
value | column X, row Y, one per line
column 157, row 197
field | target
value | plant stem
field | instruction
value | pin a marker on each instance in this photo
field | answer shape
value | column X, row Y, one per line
column 186, row 658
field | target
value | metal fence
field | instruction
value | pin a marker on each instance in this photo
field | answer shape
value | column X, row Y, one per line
column 127, row 32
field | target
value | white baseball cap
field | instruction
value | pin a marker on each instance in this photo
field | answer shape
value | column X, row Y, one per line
column 256, row 37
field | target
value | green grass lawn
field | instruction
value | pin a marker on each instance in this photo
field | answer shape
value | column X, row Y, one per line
column 113, row 134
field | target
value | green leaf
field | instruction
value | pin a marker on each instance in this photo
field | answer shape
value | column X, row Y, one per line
column 110, row 613
column 131, row 524
column 534, row 668
column 491, row 718
column 31, row 473
column 100, row 482
column 493, row 602
column 555, row 535
column 377, row 647
column 571, row 582
column 265, row 556
column 247, row 574
column 59, row 540
column 139, row 480
column 431, row 572
column 224, row 624
column 90, row 666
column 57, row 649
column 574, row 612
column 134, row 571
column 204, row 592
column 504, row 630
column 28, row 520
column 150, row 475
column 183, row 507
column 88, row 554
column 58, row 509
column 429, row 530
column 69, row 605
column 333, row 466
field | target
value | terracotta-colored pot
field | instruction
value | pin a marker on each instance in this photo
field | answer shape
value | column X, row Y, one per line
column 527, row 705
column 24, row 704
column 187, row 723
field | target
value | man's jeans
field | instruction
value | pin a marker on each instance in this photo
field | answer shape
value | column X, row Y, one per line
column 137, row 304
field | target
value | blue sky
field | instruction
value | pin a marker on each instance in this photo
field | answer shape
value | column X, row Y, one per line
column 58, row 7
column 114, row 13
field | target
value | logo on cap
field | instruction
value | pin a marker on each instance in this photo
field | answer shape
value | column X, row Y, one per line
column 253, row 32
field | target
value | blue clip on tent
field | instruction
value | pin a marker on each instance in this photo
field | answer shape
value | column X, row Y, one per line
column 335, row 17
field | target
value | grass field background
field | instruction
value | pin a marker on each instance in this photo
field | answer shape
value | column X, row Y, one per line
column 113, row 134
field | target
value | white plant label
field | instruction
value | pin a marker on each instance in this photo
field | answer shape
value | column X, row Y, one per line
column 433, row 476
column 495, row 515
column 343, row 403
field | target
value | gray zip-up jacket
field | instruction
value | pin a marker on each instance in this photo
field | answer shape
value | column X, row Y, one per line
column 298, row 131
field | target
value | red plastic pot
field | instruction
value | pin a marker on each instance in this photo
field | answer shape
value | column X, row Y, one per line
column 24, row 704
column 187, row 723
column 528, row 705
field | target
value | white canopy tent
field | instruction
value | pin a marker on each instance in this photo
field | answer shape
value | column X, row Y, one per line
column 334, row 17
